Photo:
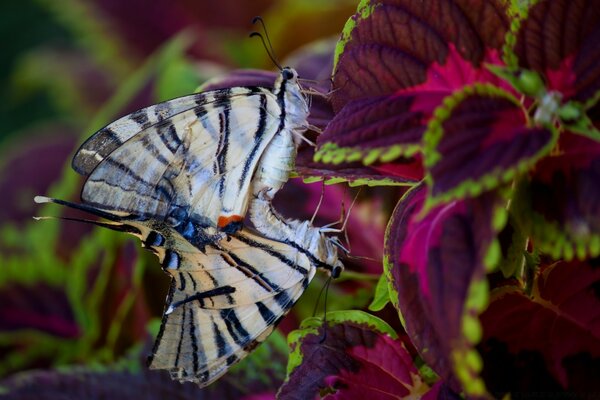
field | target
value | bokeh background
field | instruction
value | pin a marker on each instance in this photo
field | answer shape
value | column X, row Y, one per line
column 79, row 307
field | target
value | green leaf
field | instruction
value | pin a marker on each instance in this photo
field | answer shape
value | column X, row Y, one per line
column 381, row 297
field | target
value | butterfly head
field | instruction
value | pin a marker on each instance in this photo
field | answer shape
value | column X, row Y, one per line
column 289, row 93
column 331, row 259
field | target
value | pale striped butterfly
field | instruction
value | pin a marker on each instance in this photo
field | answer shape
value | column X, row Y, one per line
column 180, row 175
column 227, row 297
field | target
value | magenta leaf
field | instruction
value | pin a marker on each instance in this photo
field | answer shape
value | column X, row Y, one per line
column 549, row 341
column 436, row 264
column 357, row 355
column 559, row 39
column 478, row 140
column 559, row 205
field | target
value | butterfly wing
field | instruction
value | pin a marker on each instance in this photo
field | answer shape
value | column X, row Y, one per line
column 196, row 154
column 224, row 302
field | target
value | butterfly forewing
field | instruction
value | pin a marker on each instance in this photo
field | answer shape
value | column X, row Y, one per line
column 195, row 154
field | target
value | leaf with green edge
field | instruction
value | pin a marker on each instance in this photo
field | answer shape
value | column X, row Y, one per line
column 429, row 45
column 437, row 263
column 477, row 141
column 381, row 297
column 559, row 39
column 355, row 173
column 558, row 205
column 548, row 342
column 395, row 64
column 378, row 128
column 359, row 355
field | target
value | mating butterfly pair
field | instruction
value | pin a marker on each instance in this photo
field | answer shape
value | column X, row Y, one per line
column 181, row 175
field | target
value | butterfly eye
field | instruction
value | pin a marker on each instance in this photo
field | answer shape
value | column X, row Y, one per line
column 287, row 73
column 336, row 271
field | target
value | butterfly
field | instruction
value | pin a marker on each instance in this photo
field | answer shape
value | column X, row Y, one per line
column 226, row 298
column 194, row 161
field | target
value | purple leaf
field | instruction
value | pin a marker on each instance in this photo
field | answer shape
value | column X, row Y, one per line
column 28, row 168
column 359, row 356
column 548, row 341
column 559, row 39
column 418, row 36
column 560, row 205
column 387, row 126
column 38, row 307
column 478, row 140
column 396, row 62
column 86, row 384
column 436, row 266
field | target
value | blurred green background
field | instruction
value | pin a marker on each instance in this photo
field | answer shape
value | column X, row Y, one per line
column 71, row 295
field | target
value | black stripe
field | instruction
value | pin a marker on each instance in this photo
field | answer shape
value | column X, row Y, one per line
column 192, row 280
column 266, row 314
column 141, row 117
column 180, row 339
column 220, row 291
column 283, row 300
column 232, row 359
column 200, row 112
column 194, row 342
column 153, row 150
column 223, row 149
column 281, row 102
column 108, row 136
column 181, row 282
column 236, row 330
column 258, row 138
column 168, row 134
column 124, row 169
column 216, row 284
column 269, row 250
column 223, row 347
column 256, row 276
column 314, row 260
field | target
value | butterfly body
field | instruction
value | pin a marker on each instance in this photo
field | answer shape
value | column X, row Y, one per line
column 195, row 157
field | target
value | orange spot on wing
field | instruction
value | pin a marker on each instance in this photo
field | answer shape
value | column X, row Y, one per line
column 224, row 221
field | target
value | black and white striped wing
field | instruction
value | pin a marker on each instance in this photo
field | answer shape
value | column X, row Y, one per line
column 224, row 302
column 189, row 157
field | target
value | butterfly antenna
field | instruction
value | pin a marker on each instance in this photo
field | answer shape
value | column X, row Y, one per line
column 324, row 337
column 319, row 298
column 269, row 49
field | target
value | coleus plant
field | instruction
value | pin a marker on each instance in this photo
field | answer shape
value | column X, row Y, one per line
column 489, row 109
